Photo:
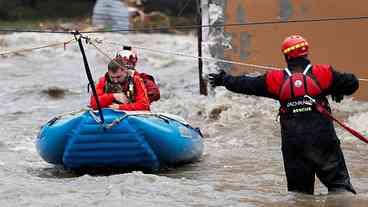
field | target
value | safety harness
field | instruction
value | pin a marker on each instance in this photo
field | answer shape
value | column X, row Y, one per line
column 295, row 87
column 301, row 92
column 127, row 88
column 153, row 91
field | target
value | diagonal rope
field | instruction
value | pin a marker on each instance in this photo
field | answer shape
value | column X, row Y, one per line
column 37, row 48
column 261, row 67
column 91, row 42
column 99, row 49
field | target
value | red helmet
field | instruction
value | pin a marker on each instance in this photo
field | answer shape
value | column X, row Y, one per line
column 294, row 46
column 128, row 57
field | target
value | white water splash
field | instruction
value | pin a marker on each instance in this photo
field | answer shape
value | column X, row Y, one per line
column 242, row 163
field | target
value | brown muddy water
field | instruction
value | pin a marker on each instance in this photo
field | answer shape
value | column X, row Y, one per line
column 242, row 162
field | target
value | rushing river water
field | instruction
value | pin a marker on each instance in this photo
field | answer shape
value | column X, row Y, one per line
column 242, row 162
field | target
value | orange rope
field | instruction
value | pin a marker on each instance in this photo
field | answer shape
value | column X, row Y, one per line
column 37, row 48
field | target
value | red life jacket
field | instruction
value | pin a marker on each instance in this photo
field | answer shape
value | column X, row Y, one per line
column 291, row 88
column 152, row 88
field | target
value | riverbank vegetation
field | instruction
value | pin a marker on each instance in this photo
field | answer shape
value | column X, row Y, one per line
column 76, row 14
column 40, row 14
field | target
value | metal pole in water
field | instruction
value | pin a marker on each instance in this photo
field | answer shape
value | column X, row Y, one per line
column 202, row 82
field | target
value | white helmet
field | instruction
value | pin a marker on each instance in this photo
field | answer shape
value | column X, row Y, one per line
column 128, row 57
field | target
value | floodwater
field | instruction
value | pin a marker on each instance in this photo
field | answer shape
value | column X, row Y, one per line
column 242, row 162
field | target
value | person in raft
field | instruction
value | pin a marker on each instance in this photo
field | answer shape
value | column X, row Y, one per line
column 122, row 88
column 310, row 145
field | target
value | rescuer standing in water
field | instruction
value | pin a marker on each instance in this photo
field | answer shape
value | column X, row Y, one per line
column 310, row 145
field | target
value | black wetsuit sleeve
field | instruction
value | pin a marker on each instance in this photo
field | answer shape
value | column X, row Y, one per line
column 247, row 85
column 344, row 83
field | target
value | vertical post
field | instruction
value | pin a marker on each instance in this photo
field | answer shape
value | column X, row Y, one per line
column 89, row 75
column 202, row 82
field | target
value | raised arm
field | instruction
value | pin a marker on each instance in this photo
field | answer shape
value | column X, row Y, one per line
column 240, row 84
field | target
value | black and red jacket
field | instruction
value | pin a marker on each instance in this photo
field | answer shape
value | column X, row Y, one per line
column 269, row 85
column 310, row 123
column 309, row 142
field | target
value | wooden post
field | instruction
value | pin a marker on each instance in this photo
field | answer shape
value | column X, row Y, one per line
column 202, row 82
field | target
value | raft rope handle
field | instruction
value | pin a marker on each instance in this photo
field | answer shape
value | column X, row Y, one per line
column 37, row 48
column 96, row 118
column 323, row 111
column 121, row 118
column 55, row 118
column 72, row 113
column 116, row 121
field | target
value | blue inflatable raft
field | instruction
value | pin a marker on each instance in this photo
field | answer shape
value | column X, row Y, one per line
column 132, row 140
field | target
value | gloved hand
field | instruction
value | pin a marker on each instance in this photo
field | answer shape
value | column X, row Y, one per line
column 216, row 79
column 337, row 97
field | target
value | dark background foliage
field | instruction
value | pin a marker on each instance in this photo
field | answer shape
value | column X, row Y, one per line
column 12, row 10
